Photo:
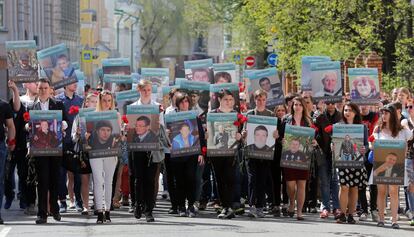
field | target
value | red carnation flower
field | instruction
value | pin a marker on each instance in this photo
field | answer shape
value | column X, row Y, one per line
column 243, row 107
column 328, row 129
column 243, row 120
column 73, row 110
column 204, row 151
column 371, row 138
column 26, row 116
column 314, row 127
column 241, row 87
column 124, row 118
column 239, row 116
column 236, row 123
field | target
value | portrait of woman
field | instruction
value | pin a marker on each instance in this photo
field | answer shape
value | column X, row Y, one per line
column 363, row 87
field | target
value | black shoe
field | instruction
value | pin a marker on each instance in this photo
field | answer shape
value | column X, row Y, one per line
column 107, row 217
column 351, row 219
column 100, row 219
column 1, row 221
column 341, row 218
column 172, row 211
column 149, row 217
column 57, row 217
column 41, row 220
column 285, row 211
column 138, row 213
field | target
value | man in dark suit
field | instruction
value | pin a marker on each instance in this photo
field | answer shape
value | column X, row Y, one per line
column 143, row 133
column 47, row 167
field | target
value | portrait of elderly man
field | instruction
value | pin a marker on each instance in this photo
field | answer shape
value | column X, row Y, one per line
column 329, row 83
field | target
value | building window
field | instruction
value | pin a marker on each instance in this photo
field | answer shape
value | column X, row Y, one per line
column 2, row 25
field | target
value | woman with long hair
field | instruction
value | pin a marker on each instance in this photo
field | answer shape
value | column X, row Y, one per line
column 389, row 127
column 351, row 179
column 296, row 179
column 85, row 167
column 103, row 168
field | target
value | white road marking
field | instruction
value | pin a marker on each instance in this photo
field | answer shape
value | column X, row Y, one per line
column 5, row 231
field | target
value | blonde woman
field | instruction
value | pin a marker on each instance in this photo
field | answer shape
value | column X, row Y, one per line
column 103, row 168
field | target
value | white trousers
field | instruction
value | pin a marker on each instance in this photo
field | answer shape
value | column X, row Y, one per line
column 103, row 173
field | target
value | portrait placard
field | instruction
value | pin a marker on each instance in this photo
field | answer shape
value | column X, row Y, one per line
column 224, row 73
column 296, row 147
column 268, row 80
column 215, row 89
column 222, row 134
column 22, row 63
column 144, row 127
column 117, row 66
column 326, row 81
column 103, row 134
column 306, row 82
column 46, row 132
column 199, row 70
column 56, row 65
column 260, row 140
column 364, row 86
column 348, row 140
column 184, row 134
column 199, row 93
column 389, row 161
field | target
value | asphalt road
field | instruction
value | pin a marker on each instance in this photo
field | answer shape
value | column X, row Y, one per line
column 205, row 224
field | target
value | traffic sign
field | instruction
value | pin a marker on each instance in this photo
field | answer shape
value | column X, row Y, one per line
column 87, row 55
column 250, row 61
column 272, row 59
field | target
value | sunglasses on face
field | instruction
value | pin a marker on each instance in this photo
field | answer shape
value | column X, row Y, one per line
column 409, row 107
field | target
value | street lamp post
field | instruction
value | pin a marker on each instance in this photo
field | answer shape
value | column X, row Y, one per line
column 121, row 14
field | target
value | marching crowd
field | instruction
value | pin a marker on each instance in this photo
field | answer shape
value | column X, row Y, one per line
column 233, row 185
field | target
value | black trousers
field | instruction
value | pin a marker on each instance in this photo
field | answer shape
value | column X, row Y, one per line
column 27, row 191
column 171, row 180
column 131, row 173
column 209, row 185
column 185, row 178
column 224, row 170
column 47, row 170
column 258, row 172
column 144, row 185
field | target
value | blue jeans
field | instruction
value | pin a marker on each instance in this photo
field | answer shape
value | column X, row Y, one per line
column 3, row 155
column 328, row 184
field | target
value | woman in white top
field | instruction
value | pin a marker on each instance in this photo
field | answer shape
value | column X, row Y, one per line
column 85, row 168
column 389, row 128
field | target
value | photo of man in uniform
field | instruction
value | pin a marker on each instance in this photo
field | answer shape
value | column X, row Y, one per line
column 143, row 133
column 221, row 139
column 294, row 153
column 23, row 69
column 260, row 137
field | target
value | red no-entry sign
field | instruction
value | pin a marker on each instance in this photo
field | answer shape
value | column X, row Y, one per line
column 250, row 61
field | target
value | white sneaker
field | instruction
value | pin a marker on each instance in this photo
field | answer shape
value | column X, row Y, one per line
column 363, row 217
column 252, row 212
column 374, row 215
column 260, row 213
